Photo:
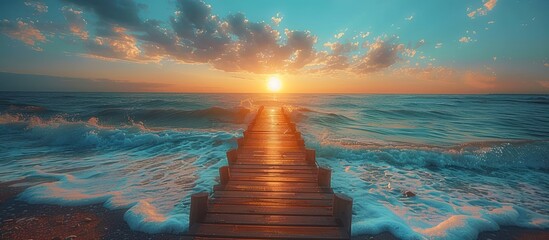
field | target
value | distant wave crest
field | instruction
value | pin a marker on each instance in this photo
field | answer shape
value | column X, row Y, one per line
column 474, row 155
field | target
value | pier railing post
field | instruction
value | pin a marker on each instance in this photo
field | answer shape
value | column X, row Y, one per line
column 324, row 177
column 300, row 142
column 224, row 175
column 240, row 142
column 310, row 156
column 199, row 207
column 231, row 156
column 343, row 210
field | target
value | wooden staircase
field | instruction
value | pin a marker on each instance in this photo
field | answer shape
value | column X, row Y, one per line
column 272, row 189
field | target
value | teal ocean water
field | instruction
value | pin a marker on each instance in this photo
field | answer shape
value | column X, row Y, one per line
column 475, row 162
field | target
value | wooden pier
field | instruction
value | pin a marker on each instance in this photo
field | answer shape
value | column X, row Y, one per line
column 272, row 189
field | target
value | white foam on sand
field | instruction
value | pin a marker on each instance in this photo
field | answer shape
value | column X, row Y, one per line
column 450, row 203
column 150, row 173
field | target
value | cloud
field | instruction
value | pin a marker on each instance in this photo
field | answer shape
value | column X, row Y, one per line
column 365, row 34
column 277, row 19
column 465, row 40
column 237, row 44
column 338, row 58
column 119, row 45
column 37, row 5
column 23, row 31
column 193, row 34
column 77, row 24
column 339, row 35
column 120, row 12
column 382, row 54
column 483, row 10
column 490, row 4
column 300, row 44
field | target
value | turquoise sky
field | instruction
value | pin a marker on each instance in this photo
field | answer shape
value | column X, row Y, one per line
column 467, row 46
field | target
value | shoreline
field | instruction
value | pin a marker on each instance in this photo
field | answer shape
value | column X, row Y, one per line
column 21, row 220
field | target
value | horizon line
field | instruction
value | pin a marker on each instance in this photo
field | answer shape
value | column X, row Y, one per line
column 347, row 93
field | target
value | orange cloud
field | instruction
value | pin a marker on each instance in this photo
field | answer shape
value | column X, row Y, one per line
column 277, row 19
column 119, row 45
column 490, row 4
column 465, row 39
column 77, row 23
column 482, row 11
column 38, row 6
column 22, row 31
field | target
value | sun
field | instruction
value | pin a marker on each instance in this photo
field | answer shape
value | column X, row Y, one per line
column 274, row 84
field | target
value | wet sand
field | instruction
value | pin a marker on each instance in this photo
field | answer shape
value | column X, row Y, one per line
column 20, row 220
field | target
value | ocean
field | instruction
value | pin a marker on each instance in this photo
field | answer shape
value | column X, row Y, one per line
column 475, row 162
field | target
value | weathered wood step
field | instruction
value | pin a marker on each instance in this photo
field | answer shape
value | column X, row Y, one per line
column 269, row 170
column 273, row 162
column 276, row 210
column 274, row 157
column 270, row 232
column 274, row 166
column 266, row 155
column 271, row 174
column 274, row 179
column 277, row 148
column 274, row 184
column 273, row 201
column 233, row 187
column 273, row 195
column 263, row 143
column 274, row 220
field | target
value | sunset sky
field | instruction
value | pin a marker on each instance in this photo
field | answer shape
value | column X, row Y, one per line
column 430, row 46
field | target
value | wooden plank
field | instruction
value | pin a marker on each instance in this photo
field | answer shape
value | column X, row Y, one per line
column 278, row 195
column 274, row 184
column 271, row 232
column 270, row 151
column 274, row 166
column 273, row 201
column 274, row 179
column 276, row 210
column 273, row 174
column 274, row 220
column 269, row 170
column 272, row 155
column 272, row 189
column 274, row 162
column 281, row 156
